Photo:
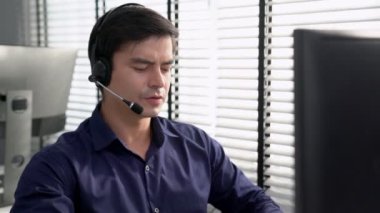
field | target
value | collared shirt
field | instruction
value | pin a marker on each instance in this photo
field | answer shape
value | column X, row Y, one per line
column 90, row 170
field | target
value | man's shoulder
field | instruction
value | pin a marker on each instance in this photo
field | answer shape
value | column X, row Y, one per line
column 180, row 127
column 186, row 132
column 68, row 144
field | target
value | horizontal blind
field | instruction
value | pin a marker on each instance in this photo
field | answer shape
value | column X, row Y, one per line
column 236, row 91
column 69, row 25
column 193, row 91
column 283, row 17
column 217, row 74
column 217, row 88
column 36, row 23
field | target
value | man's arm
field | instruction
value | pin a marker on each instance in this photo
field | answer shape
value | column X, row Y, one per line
column 44, row 186
column 232, row 191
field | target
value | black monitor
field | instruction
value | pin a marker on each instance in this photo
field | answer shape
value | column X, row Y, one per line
column 47, row 72
column 337, row 121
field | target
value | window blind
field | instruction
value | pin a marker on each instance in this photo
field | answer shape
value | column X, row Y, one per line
column 236, row 105
column 36, row 23
column 217, row 74
column 69, row 25
column 283, row 16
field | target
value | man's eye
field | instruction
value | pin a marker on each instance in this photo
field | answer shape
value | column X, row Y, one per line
column 166, row 68
column 140, row 68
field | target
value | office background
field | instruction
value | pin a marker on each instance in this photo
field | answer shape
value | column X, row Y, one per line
column 234, row 67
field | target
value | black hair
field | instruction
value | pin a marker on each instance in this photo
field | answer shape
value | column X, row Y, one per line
column 123, row 24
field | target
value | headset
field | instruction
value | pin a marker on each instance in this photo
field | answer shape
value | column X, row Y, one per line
column 101, row 67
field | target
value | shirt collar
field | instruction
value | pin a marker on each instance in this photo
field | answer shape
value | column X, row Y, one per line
column 160, row 131
column 103, row 136
column 101, row 133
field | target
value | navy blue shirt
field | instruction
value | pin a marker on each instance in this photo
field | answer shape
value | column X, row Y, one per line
column 90, row 170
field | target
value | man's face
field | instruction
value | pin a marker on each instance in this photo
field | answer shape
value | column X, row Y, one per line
column 142, row 71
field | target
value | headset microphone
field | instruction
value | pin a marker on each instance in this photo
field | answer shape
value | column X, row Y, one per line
column 132, row 105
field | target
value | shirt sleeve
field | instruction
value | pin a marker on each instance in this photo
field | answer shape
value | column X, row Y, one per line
column 44, row 186
column 231, row 190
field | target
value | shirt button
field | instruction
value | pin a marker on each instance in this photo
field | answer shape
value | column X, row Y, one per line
column 156, row 210
column 147, row 168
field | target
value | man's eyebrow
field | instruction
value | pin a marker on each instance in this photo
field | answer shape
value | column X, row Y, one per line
column 145, row 61
column 170, row 62
column 141, row 61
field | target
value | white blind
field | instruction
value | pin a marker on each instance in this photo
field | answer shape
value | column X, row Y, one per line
column 69, row 25
column 217, row 74
column 35, row 25
column 237, row 82
column 283, row 16
column 195, row 77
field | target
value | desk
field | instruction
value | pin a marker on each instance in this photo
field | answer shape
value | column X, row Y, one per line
column 5, row 209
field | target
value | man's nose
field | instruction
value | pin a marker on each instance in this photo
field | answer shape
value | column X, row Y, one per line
column 157, row 78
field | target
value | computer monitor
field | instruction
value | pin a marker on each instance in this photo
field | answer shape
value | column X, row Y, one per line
column 34, row 89
column 47, row 72
column 337, row 121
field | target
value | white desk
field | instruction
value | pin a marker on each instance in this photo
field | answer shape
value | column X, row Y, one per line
column 5, row 209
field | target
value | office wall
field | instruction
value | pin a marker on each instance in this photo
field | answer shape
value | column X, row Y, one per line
column 15, row 24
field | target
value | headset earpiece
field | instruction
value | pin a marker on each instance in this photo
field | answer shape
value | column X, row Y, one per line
column 102, row 71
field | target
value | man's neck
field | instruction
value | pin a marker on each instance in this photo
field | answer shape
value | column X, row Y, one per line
column 133, row 130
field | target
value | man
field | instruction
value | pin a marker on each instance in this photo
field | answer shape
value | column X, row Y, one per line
column 131, row 160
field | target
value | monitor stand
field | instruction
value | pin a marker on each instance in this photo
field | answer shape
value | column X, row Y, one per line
column 15, row 140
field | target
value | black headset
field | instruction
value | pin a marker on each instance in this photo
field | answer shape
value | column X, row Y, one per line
column 101, row 67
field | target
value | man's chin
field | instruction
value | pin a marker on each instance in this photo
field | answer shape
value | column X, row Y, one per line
column 150, row 112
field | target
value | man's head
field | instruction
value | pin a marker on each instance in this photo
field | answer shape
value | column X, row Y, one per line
column 131, row 50
column 128, row 23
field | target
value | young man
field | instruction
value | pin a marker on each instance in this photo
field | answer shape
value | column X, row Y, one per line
column 125, row 158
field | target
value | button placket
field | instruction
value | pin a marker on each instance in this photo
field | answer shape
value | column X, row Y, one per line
column 150, row 176
column 147, row 168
